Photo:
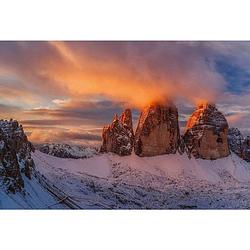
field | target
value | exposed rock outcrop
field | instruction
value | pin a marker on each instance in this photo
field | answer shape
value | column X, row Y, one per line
column 157, row 131
column 206, row 133
column 15, row 155
column 238, row 144
column 119, row 137
column 246, row 149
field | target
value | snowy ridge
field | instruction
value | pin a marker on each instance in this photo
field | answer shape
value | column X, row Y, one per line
column 131, row 182
column 68, row 151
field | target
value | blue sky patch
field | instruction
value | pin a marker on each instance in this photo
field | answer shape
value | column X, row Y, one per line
column 237, row 78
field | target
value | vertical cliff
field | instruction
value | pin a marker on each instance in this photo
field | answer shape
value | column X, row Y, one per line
column 157, row 131
column 15, row 155
column 118, row 137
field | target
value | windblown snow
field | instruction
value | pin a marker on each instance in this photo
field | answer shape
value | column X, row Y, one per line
column 162, row 182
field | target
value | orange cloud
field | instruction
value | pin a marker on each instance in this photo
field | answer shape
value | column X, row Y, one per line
column 133, row 73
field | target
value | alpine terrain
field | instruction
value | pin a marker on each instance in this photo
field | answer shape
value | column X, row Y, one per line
column 154, row 167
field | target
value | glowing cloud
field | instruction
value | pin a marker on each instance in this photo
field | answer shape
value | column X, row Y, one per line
column 132, row 72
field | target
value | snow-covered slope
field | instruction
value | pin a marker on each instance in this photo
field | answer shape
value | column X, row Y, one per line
column 167, row 181
column 21, row 186
column 35, row 195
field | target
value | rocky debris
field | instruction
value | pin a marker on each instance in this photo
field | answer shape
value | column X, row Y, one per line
column 68, row 151
column 118, row 137
column 157, row 131
column 206, row 133
column 15, row 155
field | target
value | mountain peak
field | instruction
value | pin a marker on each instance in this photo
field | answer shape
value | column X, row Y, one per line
column 207, row 114
column 157, row 131
column 206, row 133
column 118, row 137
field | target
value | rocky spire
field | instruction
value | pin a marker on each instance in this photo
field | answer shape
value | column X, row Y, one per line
column 206, row 133
column 118, row 137
column 157, row 131
column 126, row 120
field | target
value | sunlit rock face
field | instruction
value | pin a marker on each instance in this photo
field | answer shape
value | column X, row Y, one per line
column 157, row 131
column 118, row 137
column 15, row 155
column 206, row 133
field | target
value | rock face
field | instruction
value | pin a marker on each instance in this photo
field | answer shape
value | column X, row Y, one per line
column 235, row 140
column 15, row 155
column 118, row 137
column 157, row 131
column 206, row 133
column 246, row 149
column 238, row 144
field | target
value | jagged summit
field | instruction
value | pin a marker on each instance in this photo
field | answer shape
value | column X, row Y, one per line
column 15, row 155
column 118, row 137
column 126, row 118
column 207, row 114
column 157, row 131
column 206, row 133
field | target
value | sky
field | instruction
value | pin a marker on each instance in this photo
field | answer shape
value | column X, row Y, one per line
column 67, row 91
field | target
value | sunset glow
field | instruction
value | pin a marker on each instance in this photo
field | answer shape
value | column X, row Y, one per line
column 69, row 90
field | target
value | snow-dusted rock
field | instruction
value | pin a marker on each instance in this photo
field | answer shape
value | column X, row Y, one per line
column 68, row 151
column 157, row 131
column 15, row 155
column 235, row 140
column 119, row 137
column 206, row 133
column 246, row 149
column 238, row 144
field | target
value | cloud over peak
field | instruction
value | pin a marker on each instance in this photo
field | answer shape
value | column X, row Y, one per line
column 133, row 72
